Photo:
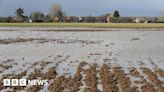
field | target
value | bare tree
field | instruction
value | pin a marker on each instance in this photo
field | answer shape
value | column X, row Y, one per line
column 55, row 11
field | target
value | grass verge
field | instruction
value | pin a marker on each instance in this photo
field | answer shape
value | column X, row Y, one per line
column 93, row 25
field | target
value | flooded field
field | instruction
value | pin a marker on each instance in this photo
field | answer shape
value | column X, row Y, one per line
column 89, row 61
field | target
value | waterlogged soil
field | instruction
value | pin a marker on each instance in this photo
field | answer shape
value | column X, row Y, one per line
column 113, row 79
column 107, row 61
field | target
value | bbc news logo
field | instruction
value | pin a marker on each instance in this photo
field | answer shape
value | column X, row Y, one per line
column 23, row 82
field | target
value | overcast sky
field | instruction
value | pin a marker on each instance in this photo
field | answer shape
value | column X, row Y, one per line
column 86, row 7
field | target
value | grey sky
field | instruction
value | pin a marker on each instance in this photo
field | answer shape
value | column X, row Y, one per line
column 86, row 7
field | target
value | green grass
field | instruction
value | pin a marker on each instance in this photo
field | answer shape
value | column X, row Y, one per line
column 94, row 25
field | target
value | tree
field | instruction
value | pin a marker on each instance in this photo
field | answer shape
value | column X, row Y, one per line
column 116, row 14
column 47, row 16
column 56, row 11
column 19, row 12
column 37, row 15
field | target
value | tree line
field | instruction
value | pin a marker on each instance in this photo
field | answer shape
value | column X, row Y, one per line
column 55, row 11
column 55, row 14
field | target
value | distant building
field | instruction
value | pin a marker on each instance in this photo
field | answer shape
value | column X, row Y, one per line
column 140, row 20
column 18, row 19
column 68, row 19
column 56, row 19
column 30, row 21
column 109, row 19
column 80, row 19
column 136, row 20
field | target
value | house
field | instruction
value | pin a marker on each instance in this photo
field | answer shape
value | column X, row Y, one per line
column 136, row 20
column 82, row 19
column 109, row 19
column 30, row 21
column 140, row 20
column 18, row 19
column 68, row 19
column 56, row 19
